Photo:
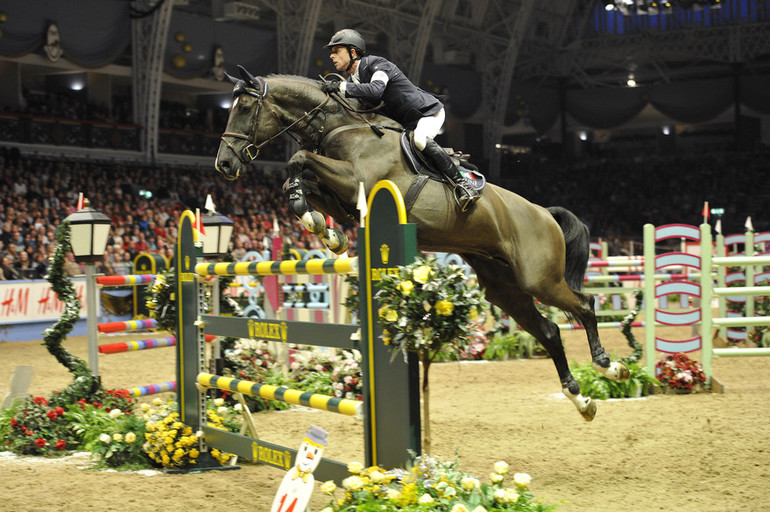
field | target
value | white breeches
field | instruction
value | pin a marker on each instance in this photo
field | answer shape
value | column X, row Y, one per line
column 428, row 127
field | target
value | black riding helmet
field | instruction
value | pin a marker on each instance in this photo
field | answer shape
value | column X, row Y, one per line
column 349, row 38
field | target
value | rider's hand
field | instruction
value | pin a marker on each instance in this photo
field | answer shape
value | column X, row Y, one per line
column 330, row 87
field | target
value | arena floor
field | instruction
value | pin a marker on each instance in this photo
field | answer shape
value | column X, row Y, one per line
column 701, row 452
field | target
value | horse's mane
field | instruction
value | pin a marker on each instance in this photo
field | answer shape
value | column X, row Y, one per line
column 307, row 86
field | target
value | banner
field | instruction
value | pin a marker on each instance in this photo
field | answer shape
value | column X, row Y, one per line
column 35, row 301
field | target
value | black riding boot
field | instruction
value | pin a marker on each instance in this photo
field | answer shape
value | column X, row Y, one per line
column 465, row 193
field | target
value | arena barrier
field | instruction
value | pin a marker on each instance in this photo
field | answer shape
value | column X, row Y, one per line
column 390, row 409
column 702, row 291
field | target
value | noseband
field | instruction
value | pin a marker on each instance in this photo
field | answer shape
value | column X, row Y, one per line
column 252, row 149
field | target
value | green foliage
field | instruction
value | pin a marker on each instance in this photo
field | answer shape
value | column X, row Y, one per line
column 512, row 345
column 84, row 384
column 114, row 437
column 595, row 385
column 432, row 484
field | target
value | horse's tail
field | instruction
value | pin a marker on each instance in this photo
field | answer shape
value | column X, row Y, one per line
column 577, row 241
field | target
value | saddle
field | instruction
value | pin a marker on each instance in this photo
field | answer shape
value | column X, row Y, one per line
column 422, row 167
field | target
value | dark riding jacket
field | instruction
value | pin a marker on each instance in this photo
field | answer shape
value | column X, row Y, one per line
column 403, row 101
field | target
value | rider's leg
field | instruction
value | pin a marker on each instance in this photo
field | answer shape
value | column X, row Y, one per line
column 427, row 128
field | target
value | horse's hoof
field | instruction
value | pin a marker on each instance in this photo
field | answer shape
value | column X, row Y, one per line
column 336, row 241
column 615, row 371
column 589, row 411
column 314, row 222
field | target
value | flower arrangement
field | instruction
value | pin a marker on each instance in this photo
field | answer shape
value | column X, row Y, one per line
column 679, row 373
column 431, row 484
column 249, row 359
column 172, row 444
column 36, row 427
column 426, row 305
column 346, row 375
column 119, row 443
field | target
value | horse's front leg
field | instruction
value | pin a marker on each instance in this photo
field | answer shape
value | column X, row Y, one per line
column 313, row 221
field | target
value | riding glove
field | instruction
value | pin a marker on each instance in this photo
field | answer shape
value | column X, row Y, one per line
column 330, row 87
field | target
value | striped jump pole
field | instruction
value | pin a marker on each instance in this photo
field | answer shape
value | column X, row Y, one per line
column 277, row 268
column 132, row 346
column 291, row 396
column 128, row 326
column 152, row 389
column 599, row 325
column 130, row 280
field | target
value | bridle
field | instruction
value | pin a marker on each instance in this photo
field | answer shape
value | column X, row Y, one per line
column 259, row 90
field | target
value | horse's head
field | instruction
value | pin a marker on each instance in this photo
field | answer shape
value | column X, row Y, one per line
column 246, row 132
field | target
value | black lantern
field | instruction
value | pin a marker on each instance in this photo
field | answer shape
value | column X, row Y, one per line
column 219, row 231
column 89, row 232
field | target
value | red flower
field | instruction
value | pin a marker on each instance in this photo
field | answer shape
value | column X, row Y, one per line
column 14, row 423
column 60, row 445
column 52, row 415
column 40, row 442
column 98, row 405
column 59, row 411
column 40, row 400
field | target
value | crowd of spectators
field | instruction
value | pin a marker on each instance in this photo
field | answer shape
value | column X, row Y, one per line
column 39, row 194
column 614, row 196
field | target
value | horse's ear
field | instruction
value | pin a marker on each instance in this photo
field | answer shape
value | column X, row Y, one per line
column 246, row 75
column 232, row 78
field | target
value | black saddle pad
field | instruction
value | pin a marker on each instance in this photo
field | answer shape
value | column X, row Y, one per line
column 419, row 165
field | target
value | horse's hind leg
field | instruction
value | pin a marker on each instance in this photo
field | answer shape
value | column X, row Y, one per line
column 521, row 307
column 580, row 306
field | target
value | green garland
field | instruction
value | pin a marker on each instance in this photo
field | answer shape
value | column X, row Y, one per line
column 84, row 385
column 625, row 328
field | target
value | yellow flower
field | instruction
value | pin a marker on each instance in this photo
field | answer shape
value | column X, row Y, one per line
column 194, row 453
column 444, row 307
column 522, row 480
column 425, row 499
column 496, row 478
column 219, row 402
column 473, row 313
column 328, row 487
column 501, row 467
column 406, row 287
column 422, row 274
column 355, row 468
column 459, row 508
column 130, row 437
column 353, row 483
column 387, row 314
column 177, row 425
column 118, row 437
column 150, row 426
column 469, row 483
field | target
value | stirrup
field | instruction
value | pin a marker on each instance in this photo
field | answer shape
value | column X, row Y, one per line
column 465, row 197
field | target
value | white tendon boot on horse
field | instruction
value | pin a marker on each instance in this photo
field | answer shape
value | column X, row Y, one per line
column 335, row 240
column 615, row 371
column 585, row 405
column 314, row 222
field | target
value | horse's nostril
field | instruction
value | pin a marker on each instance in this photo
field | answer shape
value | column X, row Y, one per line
column 224, row 165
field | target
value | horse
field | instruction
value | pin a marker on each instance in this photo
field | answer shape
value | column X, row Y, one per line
column 520, row 251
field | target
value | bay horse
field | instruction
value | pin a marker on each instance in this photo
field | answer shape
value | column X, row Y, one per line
column 519, row 250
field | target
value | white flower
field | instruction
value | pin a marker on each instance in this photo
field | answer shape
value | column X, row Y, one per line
column 105, row 438
column 425, row 499
column 479, row 509
column 115, row 413
column 327, row 509
column 469, row 483
column 219, row 402
column 145, row 407
column 238, row 407
column 459, row 508
column 522, row 480
column 222, row 410
column 450, row 491
column 501, row 467
column 157, row 402
column 496, row 478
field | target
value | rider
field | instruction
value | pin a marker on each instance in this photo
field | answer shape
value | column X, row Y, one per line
column 374, row 78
